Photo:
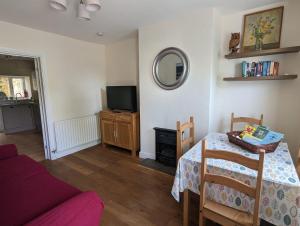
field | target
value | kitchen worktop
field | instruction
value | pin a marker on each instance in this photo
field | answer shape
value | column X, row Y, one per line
column 15, row 103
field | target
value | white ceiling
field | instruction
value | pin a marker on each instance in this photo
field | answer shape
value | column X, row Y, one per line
column 117, row 19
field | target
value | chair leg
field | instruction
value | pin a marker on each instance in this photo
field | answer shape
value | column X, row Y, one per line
column 201, row 220
column 186, row 207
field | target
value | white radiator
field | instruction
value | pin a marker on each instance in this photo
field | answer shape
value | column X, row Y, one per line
column 76, row 132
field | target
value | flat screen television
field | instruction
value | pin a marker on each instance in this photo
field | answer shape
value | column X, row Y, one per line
column 121, row 98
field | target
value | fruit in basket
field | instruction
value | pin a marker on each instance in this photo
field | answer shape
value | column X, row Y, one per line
column 248, row 131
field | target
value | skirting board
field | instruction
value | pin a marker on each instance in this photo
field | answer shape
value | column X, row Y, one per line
column 56, row 155
column 146, row 155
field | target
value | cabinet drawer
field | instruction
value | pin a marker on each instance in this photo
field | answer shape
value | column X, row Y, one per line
column 123, row 118
column 107, row 115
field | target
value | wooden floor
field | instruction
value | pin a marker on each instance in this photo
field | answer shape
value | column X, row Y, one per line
column 133, row 195
column 29, row 143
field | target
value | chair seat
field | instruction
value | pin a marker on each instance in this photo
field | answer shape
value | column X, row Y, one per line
column 212, row 208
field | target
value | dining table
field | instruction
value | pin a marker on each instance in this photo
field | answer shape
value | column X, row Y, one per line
column 280, row 194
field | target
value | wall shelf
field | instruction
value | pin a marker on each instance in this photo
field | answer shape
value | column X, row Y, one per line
column 293, row 49
column 279, row 77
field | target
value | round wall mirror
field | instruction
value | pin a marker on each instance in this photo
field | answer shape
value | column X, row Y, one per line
column 170, row 68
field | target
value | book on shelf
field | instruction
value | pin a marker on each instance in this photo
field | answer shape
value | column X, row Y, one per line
column 265, row 68
column 261, row 68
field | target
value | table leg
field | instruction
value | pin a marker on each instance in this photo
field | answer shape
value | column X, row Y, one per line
column 186, row 207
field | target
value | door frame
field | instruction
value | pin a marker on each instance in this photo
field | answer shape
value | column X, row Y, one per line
column 39, row 61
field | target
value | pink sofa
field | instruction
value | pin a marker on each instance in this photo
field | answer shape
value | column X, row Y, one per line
column 30, row 196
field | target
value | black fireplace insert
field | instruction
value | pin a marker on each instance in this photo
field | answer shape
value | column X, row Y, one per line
column 165, row 143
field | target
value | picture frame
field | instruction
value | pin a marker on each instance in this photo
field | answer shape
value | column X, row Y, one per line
column 262, row 29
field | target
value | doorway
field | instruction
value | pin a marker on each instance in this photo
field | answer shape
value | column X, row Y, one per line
column 23, row 118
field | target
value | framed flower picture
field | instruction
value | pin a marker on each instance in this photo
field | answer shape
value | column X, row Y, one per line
column 262, row 30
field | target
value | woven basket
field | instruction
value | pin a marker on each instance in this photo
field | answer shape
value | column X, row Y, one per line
column 232, row 137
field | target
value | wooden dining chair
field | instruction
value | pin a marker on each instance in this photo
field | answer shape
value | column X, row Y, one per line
column 222, row 214
column 183, row 142
column 248, row 120
column 298, row 164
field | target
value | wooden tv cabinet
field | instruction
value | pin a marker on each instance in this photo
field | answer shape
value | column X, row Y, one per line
column 121, row 130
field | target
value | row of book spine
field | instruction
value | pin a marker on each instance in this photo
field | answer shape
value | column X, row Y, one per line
column 261, row 68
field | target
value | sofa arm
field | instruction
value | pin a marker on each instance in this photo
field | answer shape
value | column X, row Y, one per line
column 8, row 151
column 84, row 209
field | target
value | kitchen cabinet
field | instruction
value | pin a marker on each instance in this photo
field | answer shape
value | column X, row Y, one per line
column 17, row 118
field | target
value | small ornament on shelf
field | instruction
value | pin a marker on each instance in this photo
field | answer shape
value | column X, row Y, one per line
column 234, row 42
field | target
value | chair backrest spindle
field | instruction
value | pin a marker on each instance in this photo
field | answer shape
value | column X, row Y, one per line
column 190, row 140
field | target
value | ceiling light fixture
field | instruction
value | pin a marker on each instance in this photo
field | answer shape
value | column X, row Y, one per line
column 84, row 7
column 100, row 34
column 82, row 12
column 92, row 5
column 60, row 5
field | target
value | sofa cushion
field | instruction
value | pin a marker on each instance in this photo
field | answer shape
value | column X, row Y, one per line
column 27, row 190
column 18, row 167
column 84, row 209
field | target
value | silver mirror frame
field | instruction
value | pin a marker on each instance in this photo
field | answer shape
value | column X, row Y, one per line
column 186, row 67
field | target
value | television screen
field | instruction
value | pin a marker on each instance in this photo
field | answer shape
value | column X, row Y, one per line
column 121, row 98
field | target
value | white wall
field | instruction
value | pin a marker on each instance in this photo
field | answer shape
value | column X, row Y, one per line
column 75, row 70
column 76, row 74
column 205, row 95
column 122, row 65
column 243, row 98
column 289, row 91
column 275, row 99
column 122, row 62
column 193, row 33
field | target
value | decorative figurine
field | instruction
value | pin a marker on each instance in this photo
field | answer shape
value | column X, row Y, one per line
column 234, row 42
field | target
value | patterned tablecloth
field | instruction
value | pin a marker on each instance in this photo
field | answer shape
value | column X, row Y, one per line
column 280, row 199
